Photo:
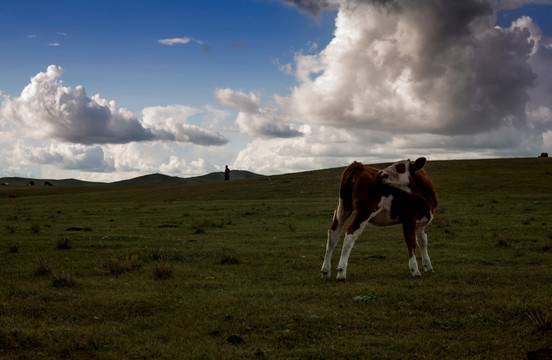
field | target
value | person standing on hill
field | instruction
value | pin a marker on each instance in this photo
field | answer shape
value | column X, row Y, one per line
column 226, row 173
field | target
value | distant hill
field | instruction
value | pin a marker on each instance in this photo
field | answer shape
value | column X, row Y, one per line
column 152, row 179
column 20, row 181
column 160, row 179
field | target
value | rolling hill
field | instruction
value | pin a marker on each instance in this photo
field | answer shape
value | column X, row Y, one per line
column 160, row 179
column 21, row 181
column 151, row 179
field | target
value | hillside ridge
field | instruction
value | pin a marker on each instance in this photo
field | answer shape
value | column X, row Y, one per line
column 150, row 179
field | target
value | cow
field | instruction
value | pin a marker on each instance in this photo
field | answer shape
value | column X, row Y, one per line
column 398, row 194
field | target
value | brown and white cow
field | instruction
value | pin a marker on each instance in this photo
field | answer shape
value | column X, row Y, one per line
column 398, row 194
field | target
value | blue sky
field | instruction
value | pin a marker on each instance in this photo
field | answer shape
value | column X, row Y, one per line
column 111, row 47
column 108, row 90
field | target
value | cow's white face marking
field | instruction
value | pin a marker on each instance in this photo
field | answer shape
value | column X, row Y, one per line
column 397, row 175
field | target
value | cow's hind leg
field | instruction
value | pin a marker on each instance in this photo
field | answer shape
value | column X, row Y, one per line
column 353, row 232
column 334, row 232
column 421, row 238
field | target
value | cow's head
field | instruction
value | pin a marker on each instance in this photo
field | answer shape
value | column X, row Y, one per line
column 398, row 174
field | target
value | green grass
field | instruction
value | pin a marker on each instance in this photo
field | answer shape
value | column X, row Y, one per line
column 232, row 270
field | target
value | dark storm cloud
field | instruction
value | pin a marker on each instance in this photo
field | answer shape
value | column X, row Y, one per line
column 311, row 7
column 435, row 66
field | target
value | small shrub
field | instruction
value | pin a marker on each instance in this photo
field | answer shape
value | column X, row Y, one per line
column 44, row 267
column 541, row 320
column 122, row 264
column 63, row 242
column 63, row 279
column 16, row 339
column 235, row 339
column 528, row 221
column 133, row 260
column 200, row 225
column 502, row 243
column 35, row 228
column 162, row 270
column 228, row 259
column 157, row 254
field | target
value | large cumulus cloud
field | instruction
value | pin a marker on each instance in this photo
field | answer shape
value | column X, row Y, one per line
column 419, row 66
column 404, row 78
column 49, row 110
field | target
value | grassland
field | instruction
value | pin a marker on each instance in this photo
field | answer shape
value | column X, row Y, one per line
column 231, row 270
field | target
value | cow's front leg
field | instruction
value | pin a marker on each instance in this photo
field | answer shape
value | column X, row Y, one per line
column 409, row 231
column 413, row 265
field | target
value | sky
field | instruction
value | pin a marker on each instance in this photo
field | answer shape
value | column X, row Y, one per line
column 107, row 90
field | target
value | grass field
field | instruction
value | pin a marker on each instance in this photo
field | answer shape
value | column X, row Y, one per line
column 232, row 270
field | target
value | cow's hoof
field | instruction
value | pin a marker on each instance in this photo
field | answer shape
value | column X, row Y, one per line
column 341, row 274
column 342, row 279
column 326, row 275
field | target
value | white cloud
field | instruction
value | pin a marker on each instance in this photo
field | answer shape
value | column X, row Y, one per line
column 177, row 165
column 405, row 78
column 174, row 41
column 321, row 147
column 64, row 156
column 326, row 147
column 179, row 41
column 253, row 120
column 169, row 124
column 434, row 67
column 140, row 158
column 49, row 110
column 248, row 103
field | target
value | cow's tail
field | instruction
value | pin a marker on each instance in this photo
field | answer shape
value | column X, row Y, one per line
column 345, row 204
column 348, row 180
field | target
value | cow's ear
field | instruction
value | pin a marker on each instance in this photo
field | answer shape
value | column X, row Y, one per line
column 419, row 163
